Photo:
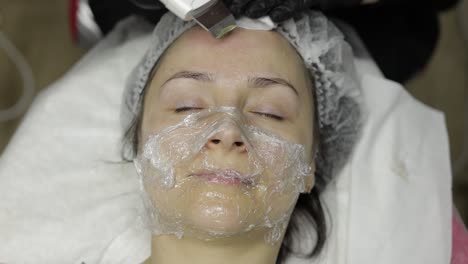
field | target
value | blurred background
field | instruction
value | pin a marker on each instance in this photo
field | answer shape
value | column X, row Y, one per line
column 40, row 31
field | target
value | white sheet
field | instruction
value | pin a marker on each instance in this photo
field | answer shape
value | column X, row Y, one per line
column 60, row 202
column 392, row 201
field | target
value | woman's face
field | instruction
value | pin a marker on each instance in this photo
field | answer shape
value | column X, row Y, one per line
column 257, row 73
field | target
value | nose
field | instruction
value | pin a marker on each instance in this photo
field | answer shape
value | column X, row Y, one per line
column 228, row 138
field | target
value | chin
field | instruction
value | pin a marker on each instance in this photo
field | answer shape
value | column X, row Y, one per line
column 221, row 218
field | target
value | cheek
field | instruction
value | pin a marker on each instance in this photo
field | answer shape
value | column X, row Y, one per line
column 301, row 132
column 156, row 119
column 280, row 204
column 305, row 130
column 306, row 135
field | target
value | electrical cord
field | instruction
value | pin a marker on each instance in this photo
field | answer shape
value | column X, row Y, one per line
column 27, row 77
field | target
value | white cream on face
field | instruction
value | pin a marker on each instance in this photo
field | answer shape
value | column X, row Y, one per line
column 217, row 174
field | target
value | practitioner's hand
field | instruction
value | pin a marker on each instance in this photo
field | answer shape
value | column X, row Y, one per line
column 280, row 10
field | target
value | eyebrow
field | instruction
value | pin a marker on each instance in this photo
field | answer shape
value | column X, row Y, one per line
column 198, row 76
column 262, row 82
column 258, row 82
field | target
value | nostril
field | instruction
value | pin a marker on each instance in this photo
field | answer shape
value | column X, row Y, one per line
column 215, row 141
column 239, row 143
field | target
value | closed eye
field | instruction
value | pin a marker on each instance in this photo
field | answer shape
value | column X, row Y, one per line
column 272, row 116
column 186, row 109
column 268, row 115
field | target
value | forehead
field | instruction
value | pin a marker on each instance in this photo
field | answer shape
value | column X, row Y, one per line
column 242, row 53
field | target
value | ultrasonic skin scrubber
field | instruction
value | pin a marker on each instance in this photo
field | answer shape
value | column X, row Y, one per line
column 212, row 15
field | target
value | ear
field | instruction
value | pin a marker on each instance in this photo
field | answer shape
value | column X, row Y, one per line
column 310, row 179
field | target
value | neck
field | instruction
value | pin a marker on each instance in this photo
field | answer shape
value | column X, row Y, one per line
column 250, row 248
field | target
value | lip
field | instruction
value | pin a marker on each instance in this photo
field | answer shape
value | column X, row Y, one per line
column 227, row 177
